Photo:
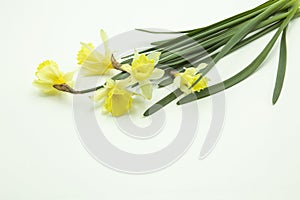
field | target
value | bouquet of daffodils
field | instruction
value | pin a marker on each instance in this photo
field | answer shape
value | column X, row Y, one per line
column 177, row 61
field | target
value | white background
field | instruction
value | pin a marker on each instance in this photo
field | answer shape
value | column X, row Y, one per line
column 41, row 156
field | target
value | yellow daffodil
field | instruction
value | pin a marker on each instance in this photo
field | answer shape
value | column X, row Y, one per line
column 142, row 71
column 92, row 60
column 48, row 75
column 185, row 80
column 118, row 100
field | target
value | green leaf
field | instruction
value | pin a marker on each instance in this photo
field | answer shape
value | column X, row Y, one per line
column 157, row 32
column 163, row 102
column 165, row 82
column 245, row 73
column 281, row 68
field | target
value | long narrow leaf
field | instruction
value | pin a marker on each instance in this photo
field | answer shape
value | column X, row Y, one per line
column 165, row 82
column 281, row 68
column 163, row 102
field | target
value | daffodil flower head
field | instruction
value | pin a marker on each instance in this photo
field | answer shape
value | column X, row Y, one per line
column 92, row 60
column 186, row 79
column 142, row 70
column 118, row 100
column 48, row 74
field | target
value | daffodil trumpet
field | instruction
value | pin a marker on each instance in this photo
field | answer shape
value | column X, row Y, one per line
column 117, row 99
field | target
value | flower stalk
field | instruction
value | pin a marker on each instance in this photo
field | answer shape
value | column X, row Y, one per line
column 66, row 88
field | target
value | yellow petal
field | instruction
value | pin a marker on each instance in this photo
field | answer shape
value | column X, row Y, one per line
column 104, row 39
column 177, row 81
column 46, row 88
column 157, row 74
column 97, row 64
column 42, row 84
column 190, row 71
column 154, row 56
column 103, row 35
column 136, row 55
column 126, row 82
column 84, row 52
column 147, row 88
column 68, row 76
column 127, row 68
column 47, row 63
column 99, row 94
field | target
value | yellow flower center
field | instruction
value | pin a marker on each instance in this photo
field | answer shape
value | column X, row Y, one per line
column 142, row 67
column 189, row 77
column 118, row 100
